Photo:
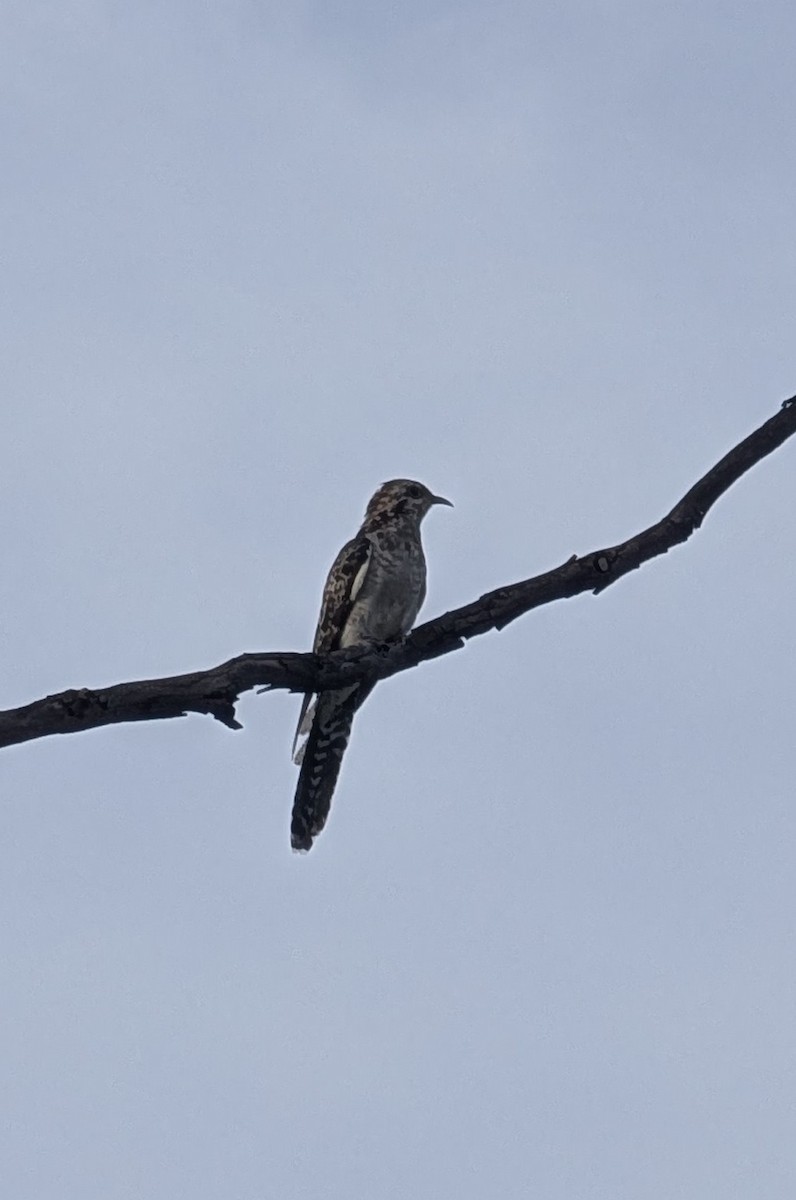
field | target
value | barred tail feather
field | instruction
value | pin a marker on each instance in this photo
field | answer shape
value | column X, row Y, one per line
column 306, row 717
column 323, row 754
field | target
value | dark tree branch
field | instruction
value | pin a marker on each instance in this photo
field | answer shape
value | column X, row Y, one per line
column 217, row 690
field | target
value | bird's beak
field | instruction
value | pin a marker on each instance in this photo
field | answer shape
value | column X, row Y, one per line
column 441, row 500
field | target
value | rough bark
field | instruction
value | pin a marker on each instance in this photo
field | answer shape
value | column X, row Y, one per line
column 216, row 691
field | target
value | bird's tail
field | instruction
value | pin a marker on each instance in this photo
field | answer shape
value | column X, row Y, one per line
column 306, row 717
column 332, row 716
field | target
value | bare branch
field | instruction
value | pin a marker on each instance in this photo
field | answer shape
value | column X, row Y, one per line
column 217, row 690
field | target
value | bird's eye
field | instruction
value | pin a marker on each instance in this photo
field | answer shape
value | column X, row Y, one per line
column 414, row 491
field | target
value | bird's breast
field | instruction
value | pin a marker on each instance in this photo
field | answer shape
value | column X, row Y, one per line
column 391, row 593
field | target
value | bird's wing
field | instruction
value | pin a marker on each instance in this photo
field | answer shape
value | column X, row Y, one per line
column 342, row 587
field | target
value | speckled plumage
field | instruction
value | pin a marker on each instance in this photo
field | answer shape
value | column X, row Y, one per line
column 373, row 593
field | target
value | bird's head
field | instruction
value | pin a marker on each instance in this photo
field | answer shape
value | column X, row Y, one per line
column 401, row 499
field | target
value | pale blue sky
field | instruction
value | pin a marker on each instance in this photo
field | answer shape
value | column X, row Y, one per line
column 257, row 260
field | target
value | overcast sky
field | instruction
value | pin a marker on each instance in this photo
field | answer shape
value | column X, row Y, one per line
column 258, row 258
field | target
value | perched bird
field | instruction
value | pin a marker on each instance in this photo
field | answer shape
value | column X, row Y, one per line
column 372, row 594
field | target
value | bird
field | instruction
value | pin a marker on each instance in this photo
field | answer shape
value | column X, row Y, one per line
column 372, row 595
